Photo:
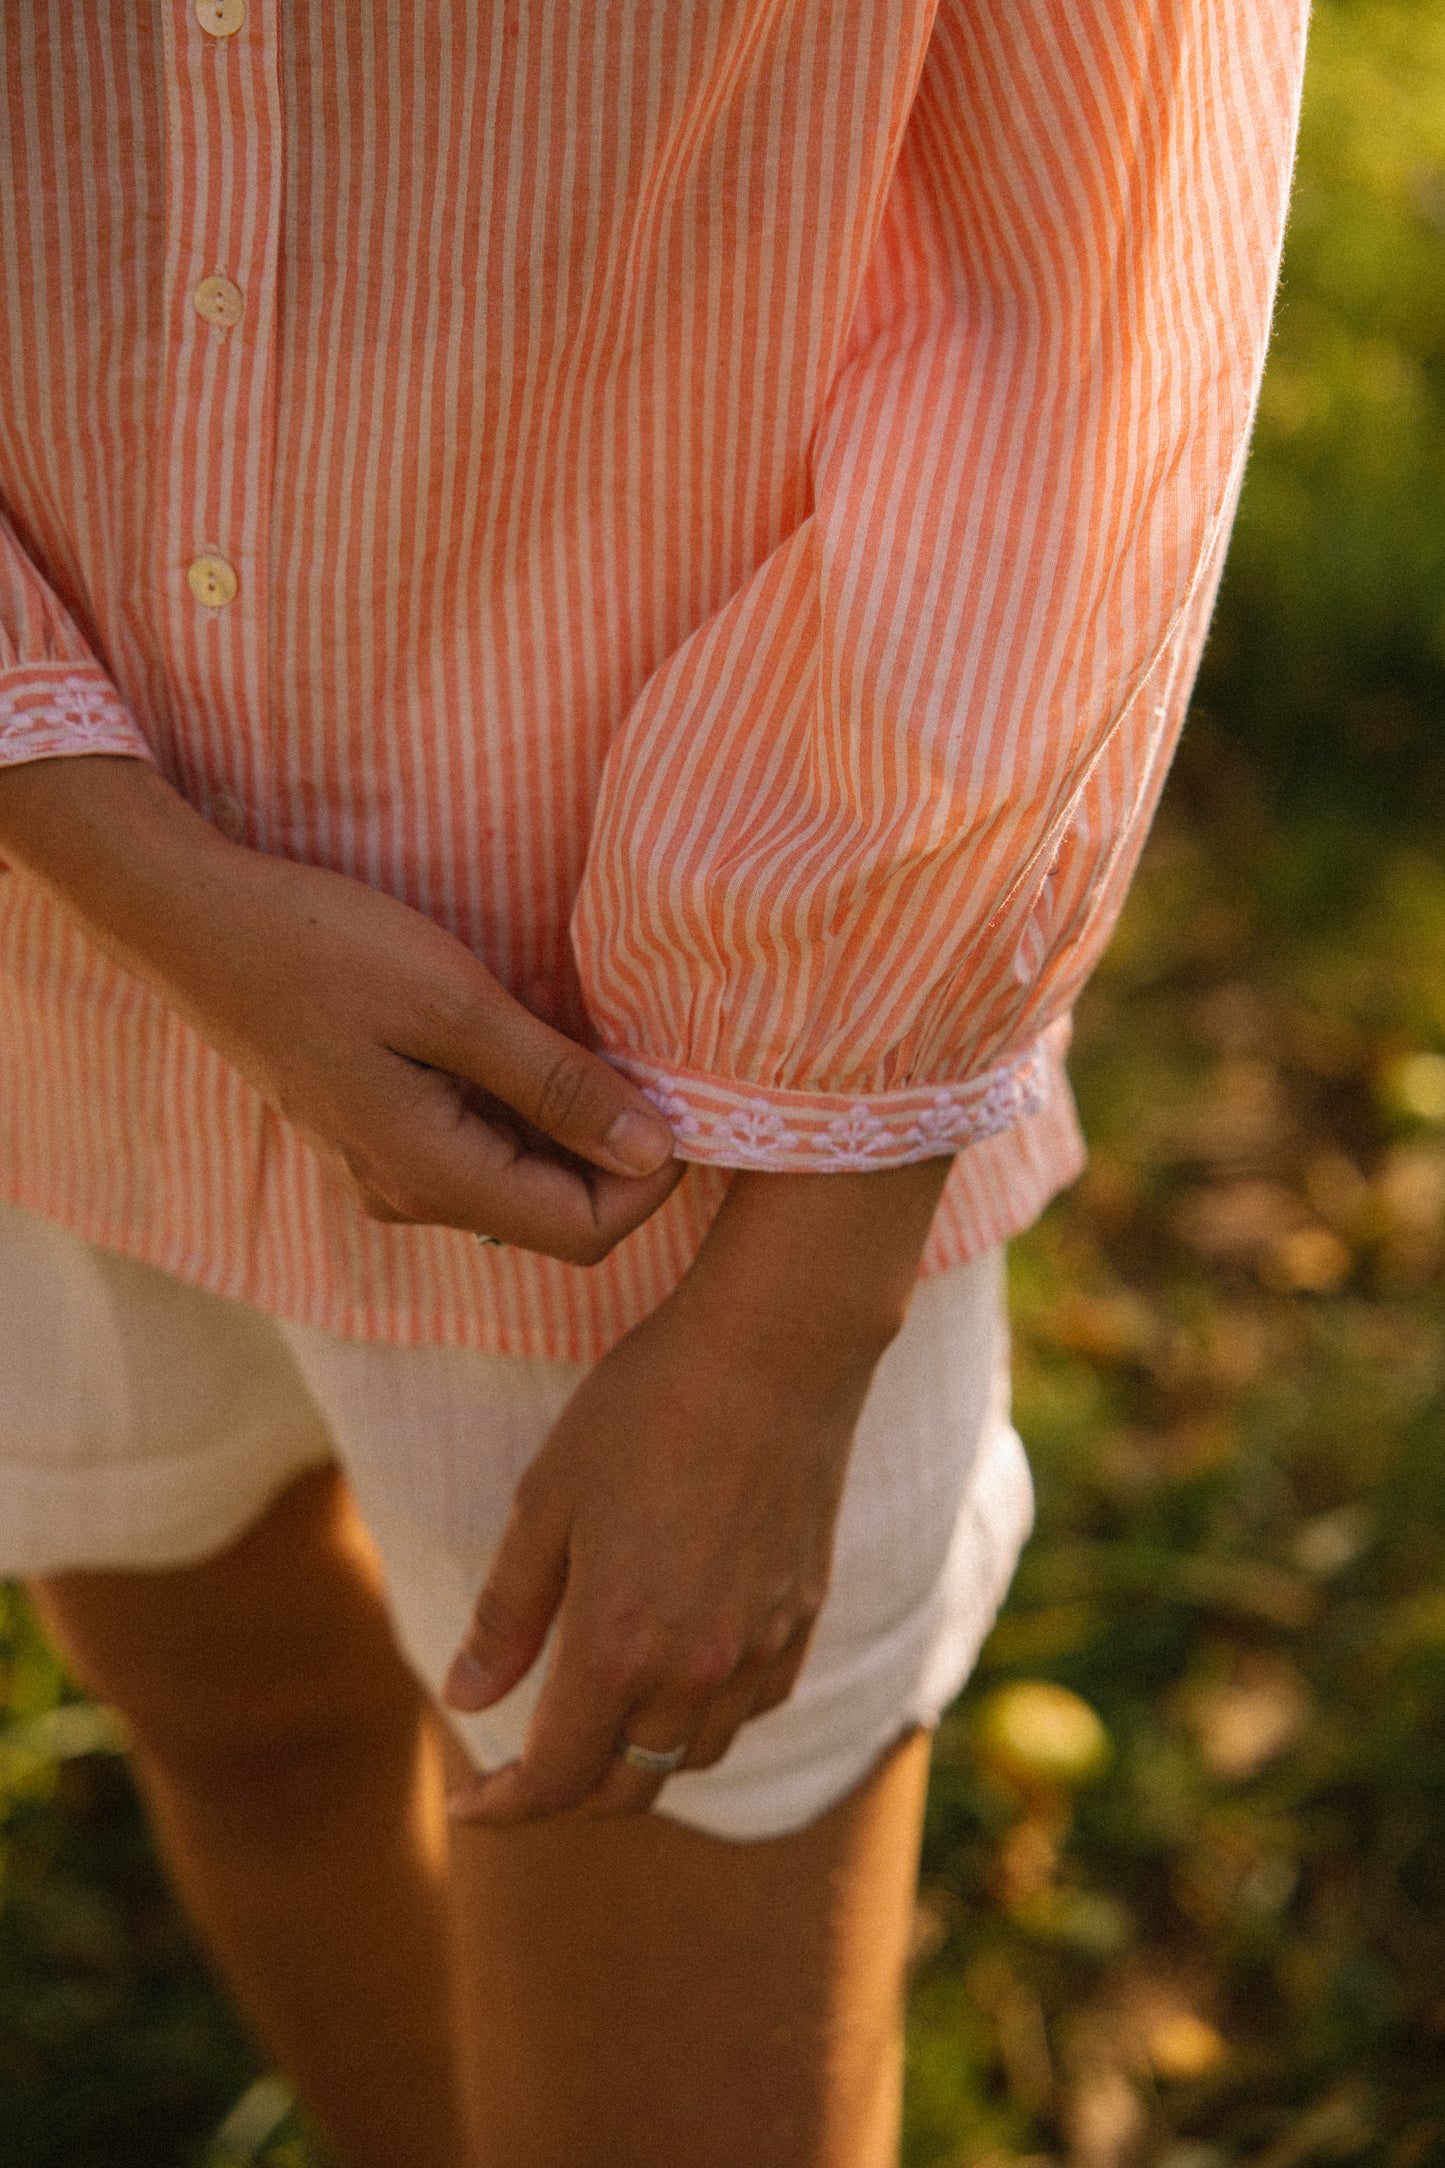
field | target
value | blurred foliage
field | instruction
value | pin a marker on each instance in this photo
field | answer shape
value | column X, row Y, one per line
column 1230, row 1371
column 115, row 2048
column 1328, row 654
column 1223, row 1941
column 1230, row 1947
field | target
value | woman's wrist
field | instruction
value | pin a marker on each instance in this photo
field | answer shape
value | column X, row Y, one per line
column 118, row 845
column 816, row 1269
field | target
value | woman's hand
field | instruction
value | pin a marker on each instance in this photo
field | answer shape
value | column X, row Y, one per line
column 681, row 1515
column 678, row 1523
column 373, row 1031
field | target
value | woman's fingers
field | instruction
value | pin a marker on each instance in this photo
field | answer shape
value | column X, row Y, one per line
column 434, row 1160
column 572, row 1740
column 561, row 1088
column 449, row 1102
column 608, row 1681
column 535, row 1203
column 589, row 1769
column 781, row 1675
column 660, row 1725
column 759, row 1684
column 706, row 1731
column 626, row 1789
column 512, row 1614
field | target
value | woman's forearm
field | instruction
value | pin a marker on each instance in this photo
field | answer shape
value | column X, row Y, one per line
column 120, row 847
column 817, row 1267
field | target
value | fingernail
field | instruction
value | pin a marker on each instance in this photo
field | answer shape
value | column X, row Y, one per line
column 468, row 1683
column 642, row 1142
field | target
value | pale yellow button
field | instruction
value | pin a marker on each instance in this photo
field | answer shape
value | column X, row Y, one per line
column 229, row 815
column 212, row 581
column 220, row 301
column 220, row 18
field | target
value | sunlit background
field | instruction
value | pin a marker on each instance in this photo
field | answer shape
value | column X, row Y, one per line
column 1184, row 1888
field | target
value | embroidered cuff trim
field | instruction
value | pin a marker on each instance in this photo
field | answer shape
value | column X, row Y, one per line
column 44, row 712
column 786, row 1132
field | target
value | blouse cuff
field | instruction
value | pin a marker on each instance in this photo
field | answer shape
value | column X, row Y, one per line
column 48, row 708
column 723, row 1123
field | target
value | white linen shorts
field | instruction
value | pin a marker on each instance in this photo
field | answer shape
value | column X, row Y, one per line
column 146, row 1423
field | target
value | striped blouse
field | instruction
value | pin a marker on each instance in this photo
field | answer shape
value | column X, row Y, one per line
column 717, row 502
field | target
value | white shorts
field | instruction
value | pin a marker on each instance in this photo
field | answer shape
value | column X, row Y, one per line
column 146, row 1423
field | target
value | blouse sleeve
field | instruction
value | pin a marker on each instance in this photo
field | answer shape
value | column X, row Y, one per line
column 863, row 836
column 54, row 695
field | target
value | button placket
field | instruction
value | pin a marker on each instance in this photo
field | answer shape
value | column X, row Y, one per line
column 223, row 188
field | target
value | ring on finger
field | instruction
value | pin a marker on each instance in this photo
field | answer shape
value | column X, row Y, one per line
column 654, row 1761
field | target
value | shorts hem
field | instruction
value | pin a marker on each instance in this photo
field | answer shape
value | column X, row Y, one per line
column 137, row 1516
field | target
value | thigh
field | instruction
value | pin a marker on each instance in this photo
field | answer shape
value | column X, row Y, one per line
column 635, row 1990
column 275, row 1643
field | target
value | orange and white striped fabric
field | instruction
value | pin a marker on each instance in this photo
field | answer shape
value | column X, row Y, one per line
column 719, row 497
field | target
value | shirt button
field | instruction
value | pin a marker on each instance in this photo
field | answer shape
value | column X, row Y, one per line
column 212, row 581
column 219, row 301
column 220, row 18
column 228, row 814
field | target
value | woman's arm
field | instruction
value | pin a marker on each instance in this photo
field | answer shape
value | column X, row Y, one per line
column 376, row 1033
column 678, row 1524
column 863, row 834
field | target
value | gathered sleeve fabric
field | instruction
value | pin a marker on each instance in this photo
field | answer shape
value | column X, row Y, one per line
column 55, row 697
column 863, row 836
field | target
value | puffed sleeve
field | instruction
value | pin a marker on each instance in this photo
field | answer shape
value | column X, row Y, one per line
column 54, row 696
column 863, row 836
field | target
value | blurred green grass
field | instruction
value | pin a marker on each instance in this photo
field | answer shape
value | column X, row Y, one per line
column 1230, row 1375
column 1230, row 1368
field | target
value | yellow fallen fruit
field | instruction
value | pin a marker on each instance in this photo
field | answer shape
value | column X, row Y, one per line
column 1184, row 2046
column 1415, row 1085
column 1036, row 1733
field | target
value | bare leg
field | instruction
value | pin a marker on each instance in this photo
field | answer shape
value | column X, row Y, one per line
column 634, row 1992
column 285, row 1753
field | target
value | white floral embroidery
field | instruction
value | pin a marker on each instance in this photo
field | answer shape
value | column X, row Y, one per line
column 795, row 1130
column 758, row 1129
column 937, row 1127
column 674, row 1109
column 855, row 1138
column 952, row 1120
column 63, row 714
column 1012, row 1094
